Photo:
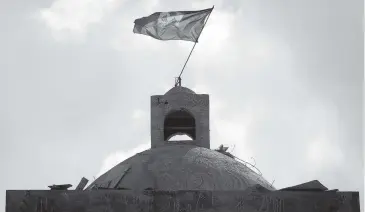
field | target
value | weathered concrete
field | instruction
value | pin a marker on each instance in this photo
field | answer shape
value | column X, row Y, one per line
column 180, row 167
column 251, row 200
column 174, row 100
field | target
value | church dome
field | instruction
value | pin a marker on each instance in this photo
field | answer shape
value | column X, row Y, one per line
column 179, row 89
column 180, row 167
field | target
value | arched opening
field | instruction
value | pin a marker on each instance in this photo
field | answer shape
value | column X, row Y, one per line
column 179, row 123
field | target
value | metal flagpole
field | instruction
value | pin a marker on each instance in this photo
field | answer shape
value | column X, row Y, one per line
column 178, row 79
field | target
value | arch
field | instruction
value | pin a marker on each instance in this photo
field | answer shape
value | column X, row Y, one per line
column 179, row 122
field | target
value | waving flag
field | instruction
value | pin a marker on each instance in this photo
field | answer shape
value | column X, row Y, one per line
column 178, row 25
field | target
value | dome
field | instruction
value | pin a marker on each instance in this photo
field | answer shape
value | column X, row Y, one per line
column 180, row 167
column 179, row 89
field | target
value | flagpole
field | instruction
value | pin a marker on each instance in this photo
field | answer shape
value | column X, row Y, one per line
column 178, row 80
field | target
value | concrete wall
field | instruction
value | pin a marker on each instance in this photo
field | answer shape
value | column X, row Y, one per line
column 251, row 200
column 196, row 104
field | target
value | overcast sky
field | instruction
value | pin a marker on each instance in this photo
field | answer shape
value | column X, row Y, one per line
column 284, row 77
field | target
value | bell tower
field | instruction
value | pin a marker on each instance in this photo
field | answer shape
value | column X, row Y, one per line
column 180, row 111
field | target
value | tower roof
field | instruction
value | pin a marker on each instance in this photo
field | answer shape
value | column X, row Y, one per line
column 179, row 89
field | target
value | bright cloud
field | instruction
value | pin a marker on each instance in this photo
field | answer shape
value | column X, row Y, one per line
column 115, row 158
column 183, row 137
column 230, row 131
column 123, row 38
column 323, row 153
column 201, row 89
column 139, row 114
column 215, row 34
column 138, row 117
column 74, row 17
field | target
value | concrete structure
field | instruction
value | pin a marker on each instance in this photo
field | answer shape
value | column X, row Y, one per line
column 182, row 175
column 180, row 165
column 180, row 111
column 250, row 200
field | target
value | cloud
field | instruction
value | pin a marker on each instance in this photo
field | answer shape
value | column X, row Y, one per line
column 216, row 32
column 138, row 118
column 139, row 115
column 73, row 18
column 322, row 153
column 115, row 158
column 232, row 132
column 183, row 137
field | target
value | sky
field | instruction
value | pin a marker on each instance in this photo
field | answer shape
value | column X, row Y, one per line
column 284, row 77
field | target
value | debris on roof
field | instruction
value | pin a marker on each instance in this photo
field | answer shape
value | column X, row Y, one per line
column 82, row 184
column 314, row 185
column 222, row 149
column 60, row 187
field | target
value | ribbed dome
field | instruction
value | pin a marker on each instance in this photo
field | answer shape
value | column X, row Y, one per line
column 180, row 167
column 179, row 89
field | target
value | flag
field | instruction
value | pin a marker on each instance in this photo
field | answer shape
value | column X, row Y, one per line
column 178, row 25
